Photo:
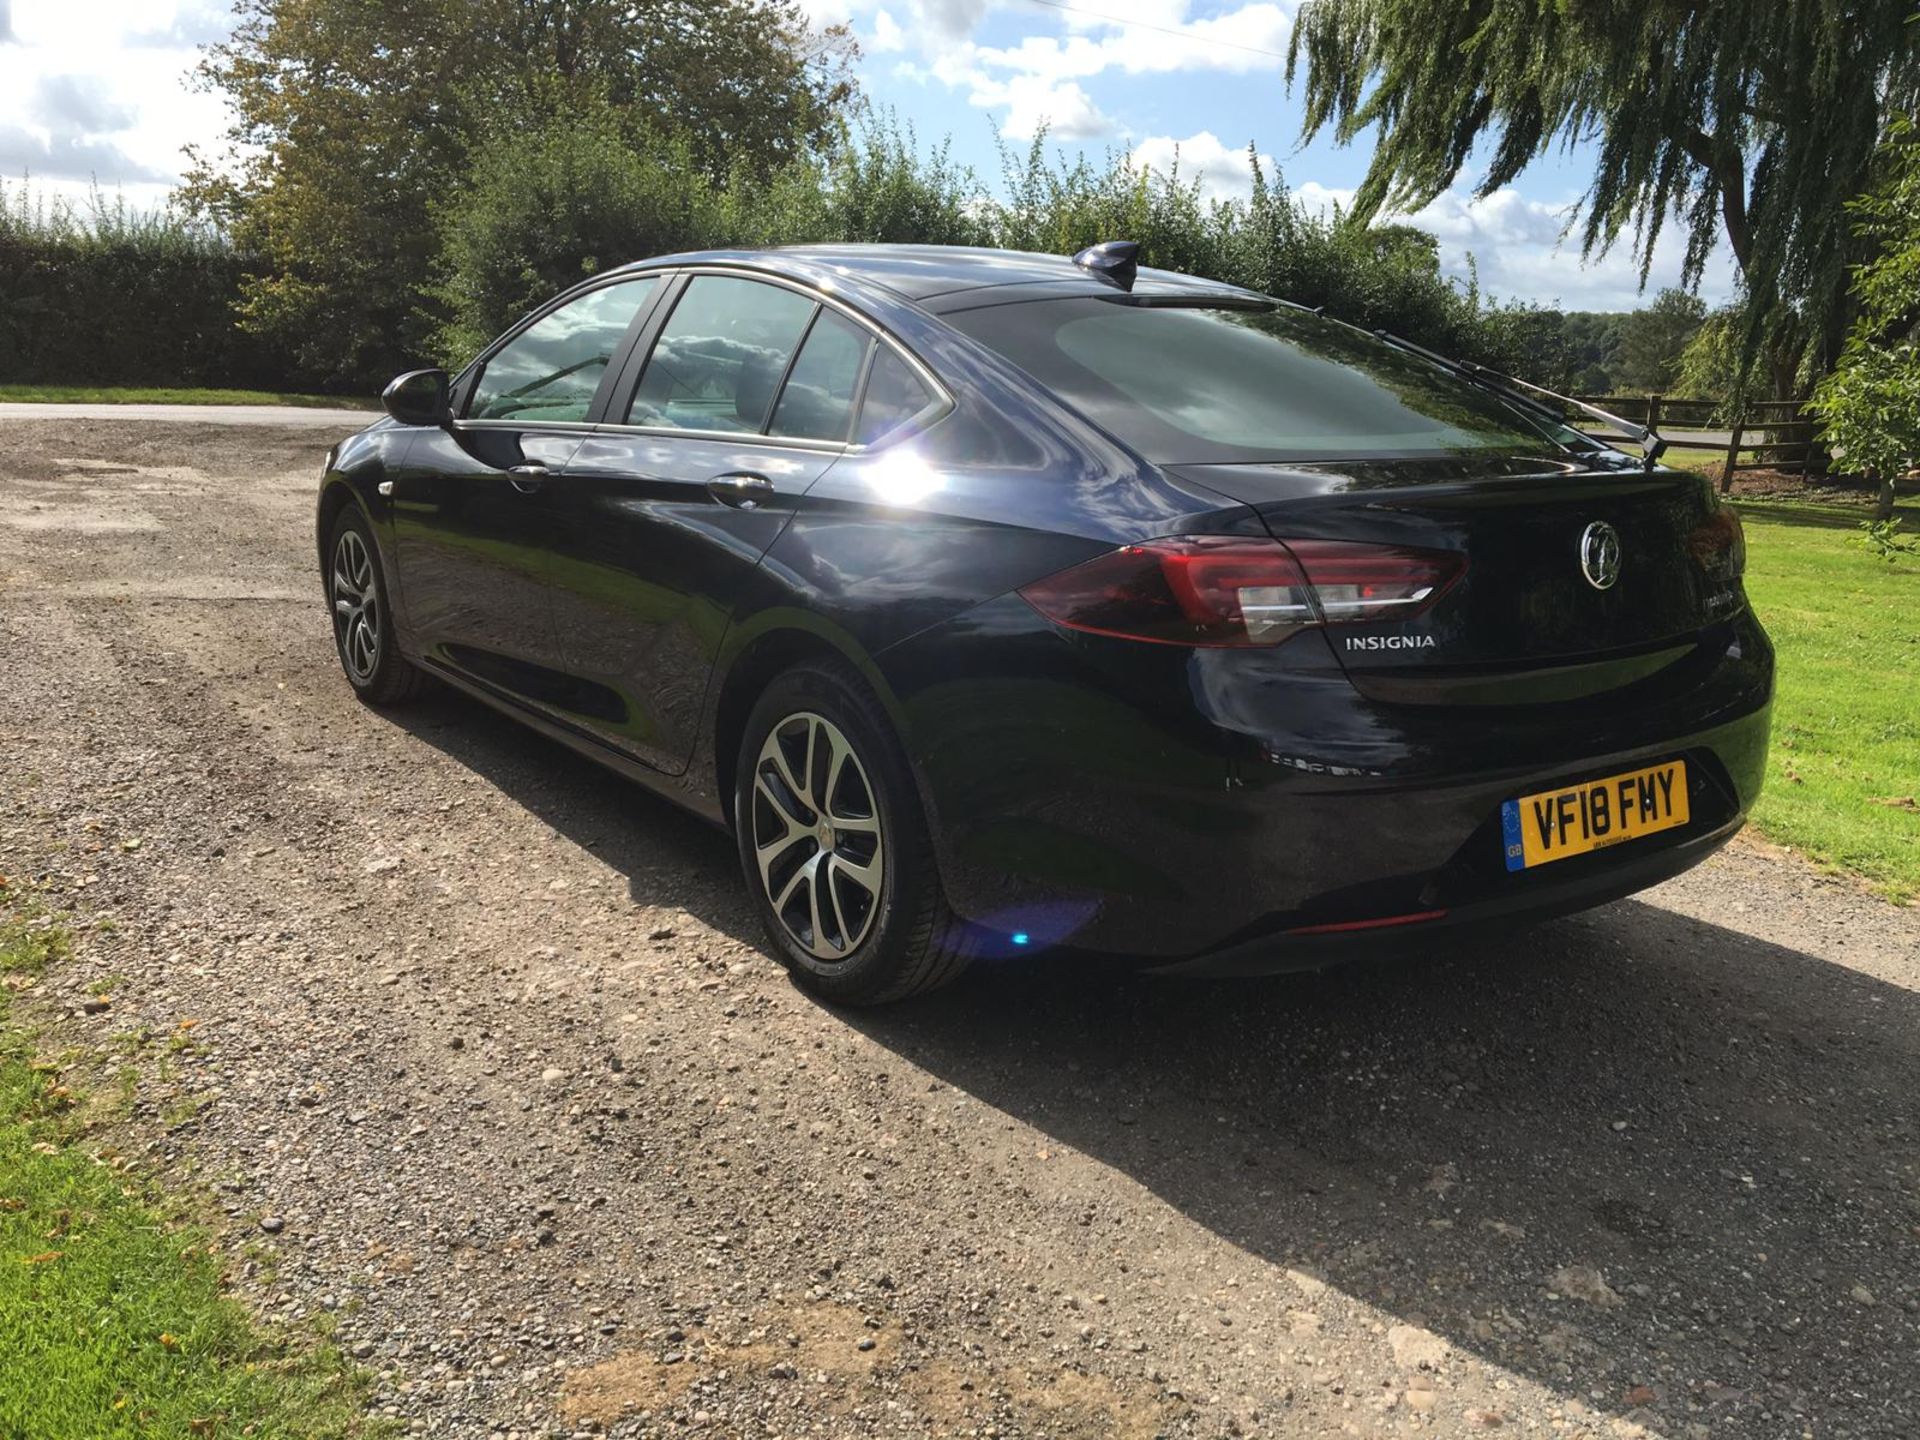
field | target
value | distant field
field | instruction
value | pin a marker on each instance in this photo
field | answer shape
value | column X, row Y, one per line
column 126, row 395
column 1843, row 783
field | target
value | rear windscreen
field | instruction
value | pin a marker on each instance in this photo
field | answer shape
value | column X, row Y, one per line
column 1198, row 385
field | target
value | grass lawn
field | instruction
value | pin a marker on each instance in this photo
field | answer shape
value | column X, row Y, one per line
column 130, row 395
column 113, row 1318
column 1844, row 777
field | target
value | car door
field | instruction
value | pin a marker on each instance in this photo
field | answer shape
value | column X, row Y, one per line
column 744, row 400
column 474, row 516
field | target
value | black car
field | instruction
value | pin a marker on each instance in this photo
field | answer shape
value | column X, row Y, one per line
column 1000, row 602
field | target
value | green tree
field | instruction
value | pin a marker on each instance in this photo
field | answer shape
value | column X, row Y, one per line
column 1871, row 402
column 1654, row 338
column 1751, row 121
column 548, row 205
column 350, row 119
column 1593, row 337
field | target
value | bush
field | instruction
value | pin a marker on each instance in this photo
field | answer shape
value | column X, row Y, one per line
column 116, row 297
column 112, row 296
column 547, row 208
column 1871, row 406
column 1871, row 402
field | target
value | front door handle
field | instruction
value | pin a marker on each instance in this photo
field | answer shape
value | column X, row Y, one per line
column 743, row 491
column 528, row 478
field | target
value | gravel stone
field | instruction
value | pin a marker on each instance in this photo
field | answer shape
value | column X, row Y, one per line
column 1378, row 1174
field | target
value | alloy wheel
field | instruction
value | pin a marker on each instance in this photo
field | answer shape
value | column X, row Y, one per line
column 356, row 607
column 816, row 836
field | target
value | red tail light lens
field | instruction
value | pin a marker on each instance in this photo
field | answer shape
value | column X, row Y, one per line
column 1720, row 543
column 1217, row 590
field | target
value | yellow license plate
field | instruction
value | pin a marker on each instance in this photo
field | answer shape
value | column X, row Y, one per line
column 1557, row 824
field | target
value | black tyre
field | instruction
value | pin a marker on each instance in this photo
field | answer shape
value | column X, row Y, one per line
column 835, row 845
column 362, row 618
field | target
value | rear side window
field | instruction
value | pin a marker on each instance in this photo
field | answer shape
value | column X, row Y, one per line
column 1200, row 385
column 718, row 361
column 894, row 396
column 817, row 401
column 550, row 370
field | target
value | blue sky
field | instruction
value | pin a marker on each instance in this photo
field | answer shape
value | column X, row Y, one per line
column 95, row 90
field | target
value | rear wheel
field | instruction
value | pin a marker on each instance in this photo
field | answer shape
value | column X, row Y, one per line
column 835, row 844
column 363, row 619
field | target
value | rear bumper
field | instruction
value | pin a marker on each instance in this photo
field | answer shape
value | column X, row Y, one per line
column 1624, row 873
column 1196, row 806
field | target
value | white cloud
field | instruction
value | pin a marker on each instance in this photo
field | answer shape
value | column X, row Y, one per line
column 1224, row 173
column 1041, row 78
column 887, row 34
column 1158, row 40
column 1031, row 103
column 1521, row 249
column 95, row 93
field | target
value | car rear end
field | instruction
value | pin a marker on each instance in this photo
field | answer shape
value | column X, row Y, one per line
column 1464, row 667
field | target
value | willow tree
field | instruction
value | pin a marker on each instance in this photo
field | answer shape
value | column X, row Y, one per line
column 1752, row 120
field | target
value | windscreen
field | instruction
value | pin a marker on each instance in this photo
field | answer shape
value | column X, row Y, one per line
column 1199, row 385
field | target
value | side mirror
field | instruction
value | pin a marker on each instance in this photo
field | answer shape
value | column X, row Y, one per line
column 419, row 397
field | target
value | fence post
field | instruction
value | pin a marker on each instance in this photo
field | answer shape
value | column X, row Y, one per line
column 1653, row 412
column 1733, row 456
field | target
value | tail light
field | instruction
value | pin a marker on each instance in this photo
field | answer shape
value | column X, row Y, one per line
column 1720, row 543
column 1218, row 590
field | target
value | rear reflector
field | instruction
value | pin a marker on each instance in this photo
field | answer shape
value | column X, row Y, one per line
column 1380, row 924
column 1220, row 590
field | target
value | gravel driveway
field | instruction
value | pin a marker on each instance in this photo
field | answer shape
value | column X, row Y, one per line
column 486, row 1056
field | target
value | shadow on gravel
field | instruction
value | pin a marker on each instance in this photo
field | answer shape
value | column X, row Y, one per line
column 1724, row 1128
column 667, row 855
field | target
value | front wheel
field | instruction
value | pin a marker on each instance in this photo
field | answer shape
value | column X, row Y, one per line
column 362, row 617
column 835, row 844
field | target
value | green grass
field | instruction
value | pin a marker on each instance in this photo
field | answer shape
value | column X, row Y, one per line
column 114, row 1320
column 135, row 395
column 1846, row 721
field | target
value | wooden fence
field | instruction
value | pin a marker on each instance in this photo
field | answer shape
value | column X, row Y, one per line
column 1779, row 433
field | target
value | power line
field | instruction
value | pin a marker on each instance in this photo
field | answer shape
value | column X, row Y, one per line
column 1158, row 29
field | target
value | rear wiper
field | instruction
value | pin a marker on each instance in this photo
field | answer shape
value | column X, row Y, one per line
column 1524, row 392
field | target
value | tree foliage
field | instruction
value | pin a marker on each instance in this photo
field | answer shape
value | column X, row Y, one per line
column 1756, row 121
column 1871, row 402
column 550, row 205
column 1654, row 339
column 351, row 118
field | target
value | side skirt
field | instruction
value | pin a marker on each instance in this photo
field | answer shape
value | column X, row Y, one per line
column 659, row 783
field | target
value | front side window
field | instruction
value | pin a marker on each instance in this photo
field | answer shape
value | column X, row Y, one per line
column 719, row 359
column 550, row 370
column 1213, row 384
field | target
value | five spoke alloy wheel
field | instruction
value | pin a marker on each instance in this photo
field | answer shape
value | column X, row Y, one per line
column 356, row 607
column 816, row 836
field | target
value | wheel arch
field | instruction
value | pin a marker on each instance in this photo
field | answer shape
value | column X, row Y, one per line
column 778, row 643
column 336, row 494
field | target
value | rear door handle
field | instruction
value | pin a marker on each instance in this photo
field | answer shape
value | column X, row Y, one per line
column 528, row 478
column 743, row 491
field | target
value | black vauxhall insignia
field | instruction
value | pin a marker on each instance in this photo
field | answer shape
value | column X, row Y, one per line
column 999, row 602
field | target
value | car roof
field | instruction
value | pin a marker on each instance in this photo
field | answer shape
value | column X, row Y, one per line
column 923, row 273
